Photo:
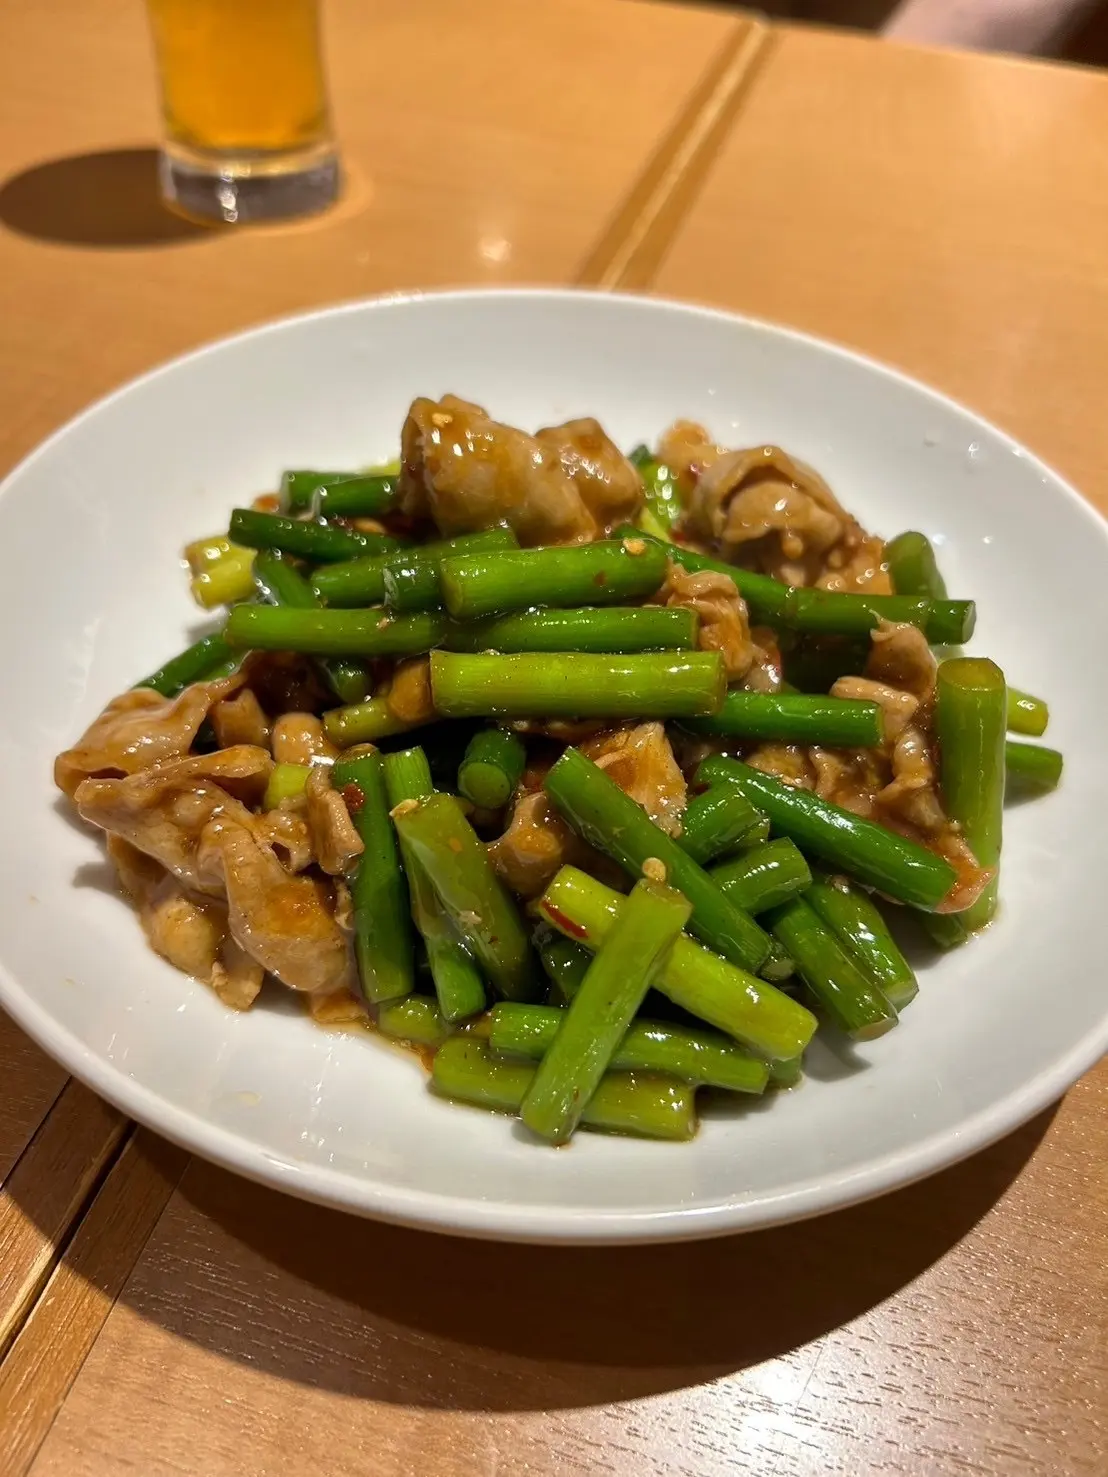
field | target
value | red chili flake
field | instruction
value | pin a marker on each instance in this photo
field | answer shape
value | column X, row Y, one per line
column 455, row 844
column 267, row 502
column 565, row 923
column 354, row 796
column 601, row 578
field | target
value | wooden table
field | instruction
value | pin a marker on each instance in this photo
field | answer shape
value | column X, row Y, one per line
column 158, row 1316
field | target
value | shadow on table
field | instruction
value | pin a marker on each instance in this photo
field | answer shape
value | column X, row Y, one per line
column 108, row 199
column 385, row 1314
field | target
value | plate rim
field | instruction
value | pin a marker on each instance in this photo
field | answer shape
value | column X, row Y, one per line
column 471, row 1216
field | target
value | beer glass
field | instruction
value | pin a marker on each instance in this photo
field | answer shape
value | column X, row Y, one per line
column 244, row 101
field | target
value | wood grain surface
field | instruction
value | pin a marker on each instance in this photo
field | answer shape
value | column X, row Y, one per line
column 64, row 1322
column 638, row 234
column 923, row 1333
column 959, row 1326
column 46, row 1191
column 31, row 1084
column 469, row 159
column 932, row 209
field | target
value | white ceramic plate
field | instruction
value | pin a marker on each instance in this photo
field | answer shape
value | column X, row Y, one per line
column 91, row 528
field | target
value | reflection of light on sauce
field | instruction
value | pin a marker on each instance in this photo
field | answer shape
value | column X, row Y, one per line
column 364, row 1026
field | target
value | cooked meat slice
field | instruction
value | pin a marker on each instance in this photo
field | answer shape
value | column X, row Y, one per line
column 335, row 840
column 773, row 505
column 856, row 565
column 745, row 496
column 831, row 768
column 344, row 905
column 236, row 978
column 240, row 720
column 408, row 694
column 468, row 472
column 851, row 778
column 897, row 708
column 185, row 929
column 286, row 830
column 298, row 738
column 181, row 929
column 972, row 878
column 908, row 803
column 286, row 924
column 138, row 873
column 336, row 1008
column 163, row 811
column 760, row 505
column 641, row 762
column 536, row 843
column 610, row 487
column 896, row 784
column 688, row 451
column 731, row 471
column 901, row 780
column 724, row 626
column 243, row 771
column 138, row 729
column 912, row 792
column 900, row 656
column 787, row 762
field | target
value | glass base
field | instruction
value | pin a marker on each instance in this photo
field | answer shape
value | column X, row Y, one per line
column 235, row 189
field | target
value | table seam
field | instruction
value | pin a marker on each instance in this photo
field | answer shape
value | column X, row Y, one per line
column 647, row 220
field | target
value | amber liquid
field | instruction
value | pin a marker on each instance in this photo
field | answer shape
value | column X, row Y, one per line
column 241, row 77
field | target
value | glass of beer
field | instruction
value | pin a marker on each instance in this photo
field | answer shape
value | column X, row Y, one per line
column 248, row 132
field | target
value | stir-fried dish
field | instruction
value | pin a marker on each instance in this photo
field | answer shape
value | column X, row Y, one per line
column 597, row 778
